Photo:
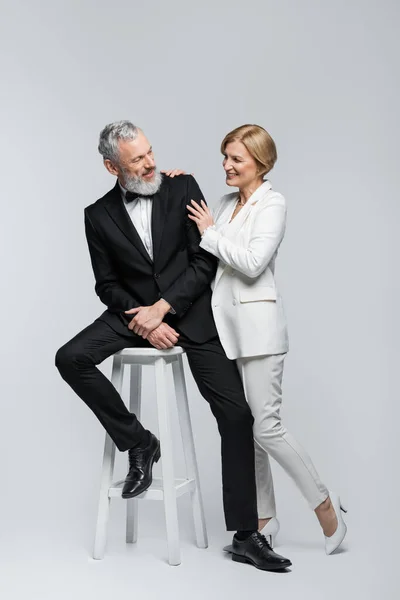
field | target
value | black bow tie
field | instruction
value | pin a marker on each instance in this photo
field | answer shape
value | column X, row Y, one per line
column 131, row 196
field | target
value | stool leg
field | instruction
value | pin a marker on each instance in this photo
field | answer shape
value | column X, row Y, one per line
column 170, row 501
column 107, row 473
column 189, row 452
column 132, row 504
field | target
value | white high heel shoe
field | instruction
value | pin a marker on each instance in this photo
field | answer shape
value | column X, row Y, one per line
column 333, row 542
column 270, row 531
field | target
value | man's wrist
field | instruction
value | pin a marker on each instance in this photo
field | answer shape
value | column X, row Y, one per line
column 171, row 311
column 163, row 307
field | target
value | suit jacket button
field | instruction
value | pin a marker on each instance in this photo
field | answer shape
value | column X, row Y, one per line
column 156, row 275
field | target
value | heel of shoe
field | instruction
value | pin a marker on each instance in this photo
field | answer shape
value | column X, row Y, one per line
column 157, row 456
column 239, row 558
column 337, row 501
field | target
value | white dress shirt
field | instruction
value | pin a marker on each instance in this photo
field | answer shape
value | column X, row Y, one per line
column 140, row 213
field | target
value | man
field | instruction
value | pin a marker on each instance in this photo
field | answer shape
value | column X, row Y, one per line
column 155, row 281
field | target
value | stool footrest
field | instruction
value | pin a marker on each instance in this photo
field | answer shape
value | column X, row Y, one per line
column 155, row 491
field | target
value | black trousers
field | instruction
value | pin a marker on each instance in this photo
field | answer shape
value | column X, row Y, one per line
column 219, row 383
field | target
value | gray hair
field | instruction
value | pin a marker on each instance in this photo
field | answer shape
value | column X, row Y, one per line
column 110, row 136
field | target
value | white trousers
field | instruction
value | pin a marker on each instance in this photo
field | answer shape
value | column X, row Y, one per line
column 262, row 382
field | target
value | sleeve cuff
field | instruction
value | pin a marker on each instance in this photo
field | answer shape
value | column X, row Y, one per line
column 209, row 239
column 172, row 311
column 208, row 228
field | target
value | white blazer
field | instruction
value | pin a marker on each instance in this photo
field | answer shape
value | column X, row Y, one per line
column 247, row 307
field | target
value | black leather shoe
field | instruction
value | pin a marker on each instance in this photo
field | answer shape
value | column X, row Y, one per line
column 141, row 459
column 256, row 551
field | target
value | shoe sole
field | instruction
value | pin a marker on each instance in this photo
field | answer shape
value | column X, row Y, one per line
column 243, row 559
column 156, row 458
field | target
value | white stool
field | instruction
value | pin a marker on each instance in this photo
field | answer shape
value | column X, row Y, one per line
column 166, row 488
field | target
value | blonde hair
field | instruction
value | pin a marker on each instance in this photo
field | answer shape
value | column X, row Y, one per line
column 258, row 142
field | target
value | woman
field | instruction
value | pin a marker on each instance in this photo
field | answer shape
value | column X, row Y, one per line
column 245, row 235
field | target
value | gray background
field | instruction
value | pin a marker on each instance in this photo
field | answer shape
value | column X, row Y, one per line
column 322, row 78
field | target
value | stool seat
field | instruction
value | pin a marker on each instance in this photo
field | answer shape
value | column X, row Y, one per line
column 150, row 352
column 167, row 488
column 148, row 356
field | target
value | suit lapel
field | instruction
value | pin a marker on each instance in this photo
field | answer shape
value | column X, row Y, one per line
column 221, row 268
column 233, row 228
column 240, row 219
column 158, row 218
column 117, row 211
column 223, row 217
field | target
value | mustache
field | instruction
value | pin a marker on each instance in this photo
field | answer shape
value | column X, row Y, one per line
column 150, row 170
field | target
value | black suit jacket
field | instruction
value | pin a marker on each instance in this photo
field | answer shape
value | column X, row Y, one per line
column 181, row 272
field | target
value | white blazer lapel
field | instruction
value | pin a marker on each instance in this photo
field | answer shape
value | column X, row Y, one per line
column 224, row 209
column 233, row 228
column 237, row 223
column 221, row 218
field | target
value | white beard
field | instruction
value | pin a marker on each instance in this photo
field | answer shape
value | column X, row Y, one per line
column 137, row 185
